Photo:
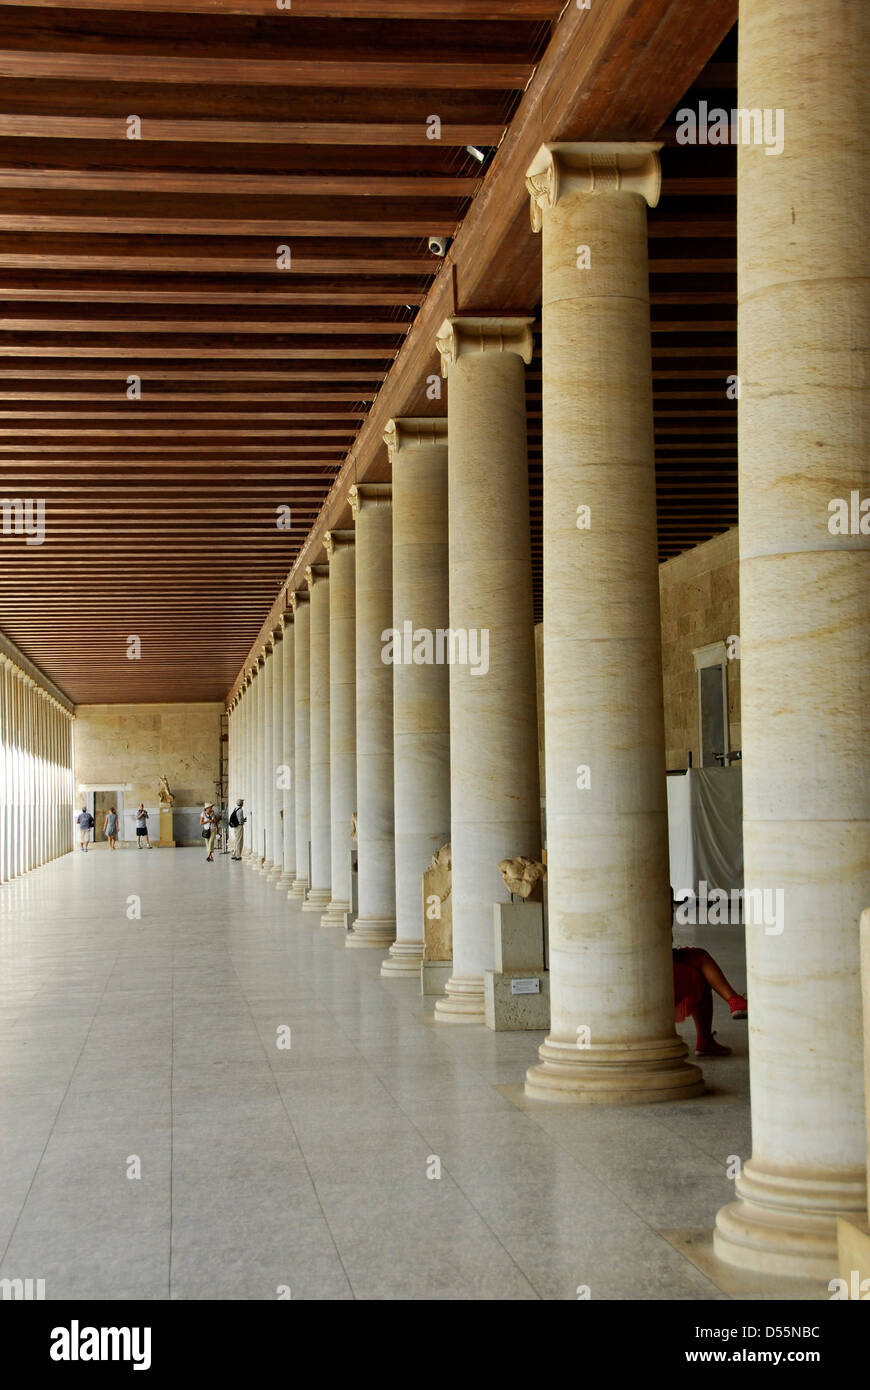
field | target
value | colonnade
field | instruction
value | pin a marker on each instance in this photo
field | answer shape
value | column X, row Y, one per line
column 446, row 750
column 36, row 773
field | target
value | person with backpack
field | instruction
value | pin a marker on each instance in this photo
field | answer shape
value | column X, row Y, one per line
column 85, row 823
column 237, row 825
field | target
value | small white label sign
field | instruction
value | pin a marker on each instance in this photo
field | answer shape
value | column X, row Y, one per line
column 525, row 986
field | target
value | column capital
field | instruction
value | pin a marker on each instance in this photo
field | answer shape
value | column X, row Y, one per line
column 369, row 494
column 409, row 432
column 278, row 631
column 338, row 540
column 268, row 647
column 616, row 166
column 261, row 662
column 315, row 572
column 298, row 596
column 467, row 337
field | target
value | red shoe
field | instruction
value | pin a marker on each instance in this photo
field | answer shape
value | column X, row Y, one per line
column 709, row 1047
column 738, row 1006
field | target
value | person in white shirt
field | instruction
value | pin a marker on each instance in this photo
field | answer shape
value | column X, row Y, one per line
column 237, row 825
column 210, row 822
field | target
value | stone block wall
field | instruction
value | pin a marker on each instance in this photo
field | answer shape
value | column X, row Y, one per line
column 130, row 746
column 700, row 604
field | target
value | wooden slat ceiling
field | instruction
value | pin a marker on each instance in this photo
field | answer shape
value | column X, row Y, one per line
column 157, row 258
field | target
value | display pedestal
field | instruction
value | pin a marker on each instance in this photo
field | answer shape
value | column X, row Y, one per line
column 166, row 840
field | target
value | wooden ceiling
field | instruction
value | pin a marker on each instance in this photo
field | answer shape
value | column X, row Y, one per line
column 261, row 387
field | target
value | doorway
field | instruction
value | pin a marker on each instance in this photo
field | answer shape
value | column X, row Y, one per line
column 103, row 802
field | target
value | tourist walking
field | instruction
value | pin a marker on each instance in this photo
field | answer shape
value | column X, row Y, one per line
column 237, row 825
column 142, row 827
column 210, row 822
column 85, row 823
column 110, row 828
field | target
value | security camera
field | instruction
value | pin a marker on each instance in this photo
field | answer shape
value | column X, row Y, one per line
column 438, row 245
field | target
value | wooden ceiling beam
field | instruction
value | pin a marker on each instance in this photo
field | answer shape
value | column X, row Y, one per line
column 239, row 185
column 238, row 132
column 329, row 294
column 175, row 372
column 274, row 348
column 499, row 10
column 193, row 323
column 344, row 257
column 481, row 70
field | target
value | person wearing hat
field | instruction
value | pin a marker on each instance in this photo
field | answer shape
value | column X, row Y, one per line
column 237, row 825
column 210, row 821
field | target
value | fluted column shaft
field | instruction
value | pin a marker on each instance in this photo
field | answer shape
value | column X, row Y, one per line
column 258, row 845
column 299, row 601
column 375, row 924
column 611, row 969
column 342, row 716
column 288, row 793
column 249, row 780
column 268, row 760
column 5, row 767
column 421, row 685
column 804, row 361
column 321, row 830
column 276, row 795
column 494, row 796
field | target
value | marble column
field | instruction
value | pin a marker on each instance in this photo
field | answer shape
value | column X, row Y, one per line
column 257, row 836
column 288, row 793
column 375, row 924
column 421, row 685
column 249, row 791
column 276, row 795
column 342, row 717
column 5, row 760
column 320, row 892
column 267, row 781
column 495, row 808
column 299, row 602
column 611, row 969
column 804, row 361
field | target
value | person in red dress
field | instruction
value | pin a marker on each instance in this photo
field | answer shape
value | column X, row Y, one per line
column 696, row 976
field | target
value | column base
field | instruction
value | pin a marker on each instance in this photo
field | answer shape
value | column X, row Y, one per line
column 786, row 1223
column 334, row 914
column 405, row 959
column 285, row 882
column 632, row 1074
column 372, row 931
column 265, row 866
column 298, row 889
column 275, row 873
column 464, row 1002
column 317, row 900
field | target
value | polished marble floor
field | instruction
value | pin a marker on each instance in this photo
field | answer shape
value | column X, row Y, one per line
column 309, row 1168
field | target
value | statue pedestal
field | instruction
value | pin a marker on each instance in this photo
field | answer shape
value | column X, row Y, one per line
column 166, row 840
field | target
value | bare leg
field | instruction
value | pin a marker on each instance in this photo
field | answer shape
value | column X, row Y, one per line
column 702, row 1018
column 713, row 975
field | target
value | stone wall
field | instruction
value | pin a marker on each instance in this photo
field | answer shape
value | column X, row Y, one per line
column 700, row 605
column 130, row 746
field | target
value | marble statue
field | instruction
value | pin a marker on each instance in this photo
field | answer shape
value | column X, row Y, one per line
column 164, row 794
